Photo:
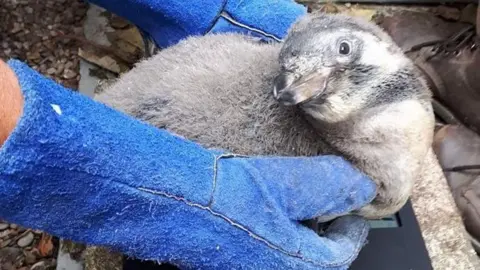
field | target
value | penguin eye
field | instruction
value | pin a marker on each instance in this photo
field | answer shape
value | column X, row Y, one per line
column 344, row 48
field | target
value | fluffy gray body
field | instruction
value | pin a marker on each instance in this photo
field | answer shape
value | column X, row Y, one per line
column 217, row 90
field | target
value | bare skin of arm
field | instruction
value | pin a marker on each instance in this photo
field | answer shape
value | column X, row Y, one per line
column 11, row 101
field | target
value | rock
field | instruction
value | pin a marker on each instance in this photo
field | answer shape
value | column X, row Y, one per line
column 59, row 70
column 60, row 66
column 69, row 74
column 29, row 10
column 44, row 265
column 51, row 71
column 35, row 252
column 19, row 45
column 5, row 233
column 50, row 58
column 33, row 56
column 4, row 243
column 39, row 266
column 15, row 226
column 30, row 257
column 69, row 65
column 25, row 240
column 17, row 27
column 4, row 226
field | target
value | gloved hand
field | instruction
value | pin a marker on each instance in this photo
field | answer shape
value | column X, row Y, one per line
column 169, row 21
column 80, row 170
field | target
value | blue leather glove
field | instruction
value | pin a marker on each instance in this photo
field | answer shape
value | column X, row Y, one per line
column 169, row 21
column 82, row 171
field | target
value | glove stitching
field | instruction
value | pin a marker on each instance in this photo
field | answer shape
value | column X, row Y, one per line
column 217, row 17
column 347, row 260
column 215, row 167
column 254, row 235
column 227, row 16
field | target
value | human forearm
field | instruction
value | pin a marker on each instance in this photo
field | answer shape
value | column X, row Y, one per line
column 11, row 101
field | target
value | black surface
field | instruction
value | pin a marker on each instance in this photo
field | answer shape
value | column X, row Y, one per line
column 411, row 2
column 395, row 248
column 394, row 243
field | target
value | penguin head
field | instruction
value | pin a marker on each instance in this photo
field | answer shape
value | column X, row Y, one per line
column 333, row 65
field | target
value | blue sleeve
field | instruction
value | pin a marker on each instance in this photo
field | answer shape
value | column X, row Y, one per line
column 63, row 132
column 83, row 171
column 169, row 21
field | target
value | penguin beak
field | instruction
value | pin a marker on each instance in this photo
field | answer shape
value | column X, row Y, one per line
column 291, row 89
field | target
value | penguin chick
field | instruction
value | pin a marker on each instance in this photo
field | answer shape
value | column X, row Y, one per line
column 341, row 86
column 365, row 97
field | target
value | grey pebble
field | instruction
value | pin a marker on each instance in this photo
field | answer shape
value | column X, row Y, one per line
column 4, row 226
column 5, row 233
column 39, row 266
column 51, row 71
column 30, row 257
column 29, row 10
column 5, row 243
column 25, row 240
column 69, row 74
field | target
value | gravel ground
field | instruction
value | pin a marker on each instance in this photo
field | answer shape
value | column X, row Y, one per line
column 24, row 249
column 36, row 32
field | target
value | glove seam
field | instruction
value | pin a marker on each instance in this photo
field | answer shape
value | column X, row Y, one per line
column 232, row 222
column 227, row 16
column 250, row 233
column 217, row 17
column 215, row 170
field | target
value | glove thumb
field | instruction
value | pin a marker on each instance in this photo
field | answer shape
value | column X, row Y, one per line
column 309, row 187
